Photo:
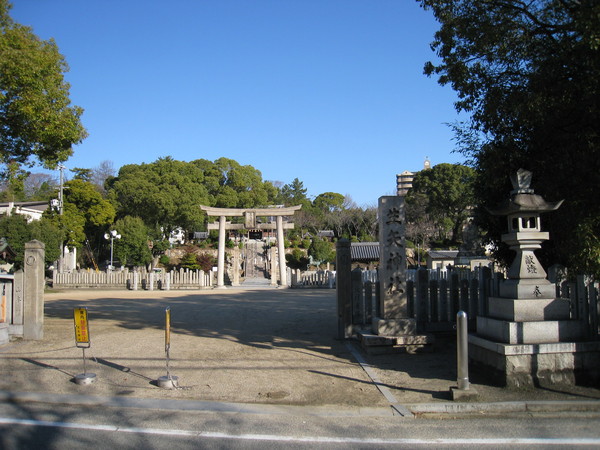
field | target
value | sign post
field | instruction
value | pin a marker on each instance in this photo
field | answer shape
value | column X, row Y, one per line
column 82, row 341
column 169, row 381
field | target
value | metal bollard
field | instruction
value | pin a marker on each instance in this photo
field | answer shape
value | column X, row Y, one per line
column 462, row 351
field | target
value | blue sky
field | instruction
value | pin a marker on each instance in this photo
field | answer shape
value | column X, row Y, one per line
column 331, row 92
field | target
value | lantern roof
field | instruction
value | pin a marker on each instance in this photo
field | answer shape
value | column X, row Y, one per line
column 523, row 199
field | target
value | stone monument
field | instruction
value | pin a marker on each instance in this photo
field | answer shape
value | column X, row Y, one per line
column 527, row 335
column 394, row 329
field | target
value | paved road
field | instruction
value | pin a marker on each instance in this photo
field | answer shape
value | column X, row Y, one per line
column 35, row 425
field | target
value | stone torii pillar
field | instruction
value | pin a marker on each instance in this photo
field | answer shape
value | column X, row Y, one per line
column 250, row 222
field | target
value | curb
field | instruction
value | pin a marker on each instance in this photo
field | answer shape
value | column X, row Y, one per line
column 193, row 405
column 298, row 410
column 506, row 407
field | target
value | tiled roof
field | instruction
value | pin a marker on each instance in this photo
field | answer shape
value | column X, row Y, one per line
column 364, row 251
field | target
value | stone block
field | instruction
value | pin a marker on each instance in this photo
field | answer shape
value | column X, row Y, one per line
column 381, row 345
column 530, row 332
column 529, row 365
column 394, row 327
column 528, row 310
column 526, row 289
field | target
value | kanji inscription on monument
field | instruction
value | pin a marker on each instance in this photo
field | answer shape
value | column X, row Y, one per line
column 392, row 265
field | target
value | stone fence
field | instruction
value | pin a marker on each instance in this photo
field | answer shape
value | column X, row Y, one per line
column 313, row 279
column 134, row 280
column 434, row 298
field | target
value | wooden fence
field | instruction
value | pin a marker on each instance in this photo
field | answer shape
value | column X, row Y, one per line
column 126, row 279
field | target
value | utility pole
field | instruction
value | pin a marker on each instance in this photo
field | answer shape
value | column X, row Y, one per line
column 61, row 168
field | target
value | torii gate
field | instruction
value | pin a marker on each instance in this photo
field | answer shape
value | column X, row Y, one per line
column 250, row 216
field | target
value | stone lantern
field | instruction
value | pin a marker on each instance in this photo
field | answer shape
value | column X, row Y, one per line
column 526, row 276
column 527, row 335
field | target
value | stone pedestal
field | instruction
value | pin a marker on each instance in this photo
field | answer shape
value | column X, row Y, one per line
column 526, row 365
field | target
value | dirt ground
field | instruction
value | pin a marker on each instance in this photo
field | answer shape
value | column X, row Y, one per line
column 274, row 346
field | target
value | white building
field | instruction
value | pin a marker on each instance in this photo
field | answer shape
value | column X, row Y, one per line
column 31, row 210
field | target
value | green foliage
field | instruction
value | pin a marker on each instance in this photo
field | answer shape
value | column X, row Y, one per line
column 294, row 193
column 321, row 250
column 587, row 248
column 18, row 232
column 97, row 211
column 165, row 193
column 132, row 249
column 14, row 228
column 329, row 202
column 529, row 74
column 297, row 259
column 47, row 232
column 71, row 224
column 36, row 116
column 231, row 185
column 164, row 260
column 445, row 194
column 190, row 261
column 168, row 193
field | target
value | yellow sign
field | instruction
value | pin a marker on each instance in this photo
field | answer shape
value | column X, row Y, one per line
column 167, row 328
column 82, row 330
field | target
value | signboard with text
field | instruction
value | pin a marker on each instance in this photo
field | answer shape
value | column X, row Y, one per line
column 82, row 330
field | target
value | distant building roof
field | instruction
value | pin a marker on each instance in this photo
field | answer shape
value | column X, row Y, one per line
column 364, row 251
column 443, row 254
column 325, row 233
column 31, row 210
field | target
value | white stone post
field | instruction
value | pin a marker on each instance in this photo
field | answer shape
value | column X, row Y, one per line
column 221, row 254
column 33, row 308
column 273, row 261
column 281, row 253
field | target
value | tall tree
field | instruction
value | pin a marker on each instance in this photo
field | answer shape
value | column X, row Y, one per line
column 449, row 192
column 36, row 116
column 166, row 193
column 294, row 193
column 132, row 248
column 529, row 75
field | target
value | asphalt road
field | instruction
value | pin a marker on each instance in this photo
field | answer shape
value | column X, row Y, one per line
column 52, row 426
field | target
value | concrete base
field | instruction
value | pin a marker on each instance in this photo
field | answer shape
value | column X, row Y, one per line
column 394, row 327
column 4, row 339
column 463, row 395
column 85, row 379
column 530, row 332
column 535, row 364
column 168, row 382
column 528, row 310
column 382, row 345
